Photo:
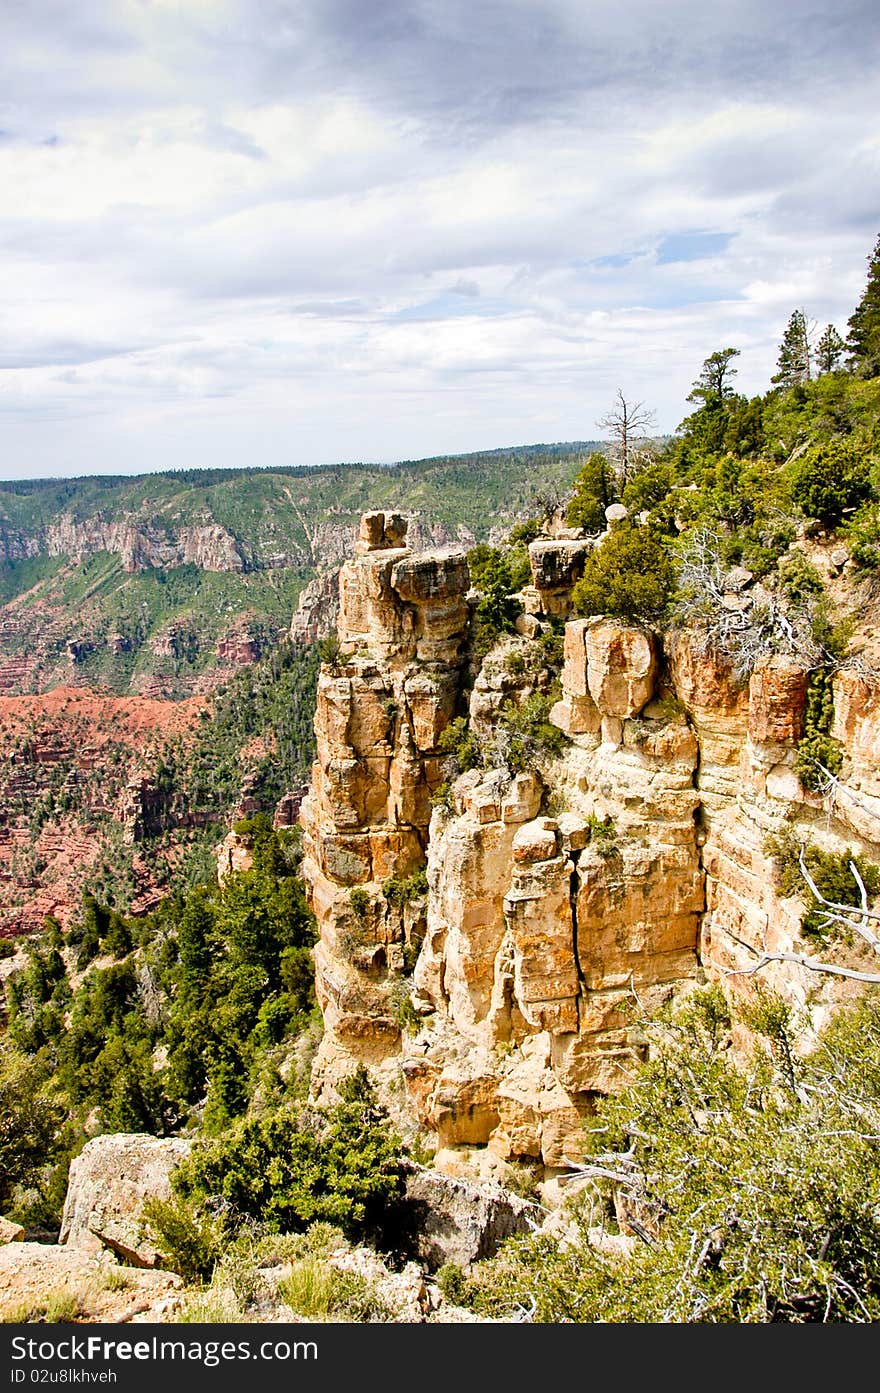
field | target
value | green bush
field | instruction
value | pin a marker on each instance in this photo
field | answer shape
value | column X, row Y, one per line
column 603, row 834
column 403, row 1013
column 497, row 575
column 829, row 480
column 461, row 746
column 817, row 746
column 798, row 578
column 360, row 904
column 522, row 533
column 526, row 737
column 647, row 488
column 631, row 576
column 296, row 1165
column 863, row 535
column 830, row 873
column 453, row 1283
column 814, row 750
column 401, row 892
column 595, row 488
column 190, row 1239
column 32, row 1127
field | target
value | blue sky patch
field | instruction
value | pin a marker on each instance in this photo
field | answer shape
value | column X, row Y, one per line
column 691, row 246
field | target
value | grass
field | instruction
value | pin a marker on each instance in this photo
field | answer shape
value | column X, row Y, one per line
column 59, row 1307
column 320, row 1292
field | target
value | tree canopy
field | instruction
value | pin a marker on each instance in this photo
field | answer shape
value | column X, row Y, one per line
column 863, row 339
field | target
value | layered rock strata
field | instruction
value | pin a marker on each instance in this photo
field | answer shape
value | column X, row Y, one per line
column 381, row 709
column 541, row 927
column 562, row 894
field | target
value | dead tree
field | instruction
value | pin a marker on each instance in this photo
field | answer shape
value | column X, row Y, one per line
column 627, row 422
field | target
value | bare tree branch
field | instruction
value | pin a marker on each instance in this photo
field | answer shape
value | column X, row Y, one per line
column 799, row 959
column 844, row 913
column 736, row 626
column 627, row 422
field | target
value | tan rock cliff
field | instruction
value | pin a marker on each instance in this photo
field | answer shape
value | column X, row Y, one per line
column 631, row 865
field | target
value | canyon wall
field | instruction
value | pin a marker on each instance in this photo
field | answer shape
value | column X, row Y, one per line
column 486, row 948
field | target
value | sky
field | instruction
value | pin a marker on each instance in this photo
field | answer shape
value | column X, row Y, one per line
column 266, row 232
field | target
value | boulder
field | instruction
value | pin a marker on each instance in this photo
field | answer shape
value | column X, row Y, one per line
column 109, row 1183
column 557, row 564
column 621, row 668
column 616, row 512
column 461, row 1221
column 535, row 840
column 431, row 576
column 10, row 1232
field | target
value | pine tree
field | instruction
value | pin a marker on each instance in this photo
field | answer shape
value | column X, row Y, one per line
column 594, row 489
column 712, row 387
column 863, row 339
column 829, row 350
column 793, row 363
column 706, row 427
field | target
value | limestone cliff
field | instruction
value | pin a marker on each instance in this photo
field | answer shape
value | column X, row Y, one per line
column 209, row 546
column 495, row 1008
column 380, row 711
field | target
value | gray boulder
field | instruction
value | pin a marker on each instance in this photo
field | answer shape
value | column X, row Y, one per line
column 462, row 1221
column 109, row 1183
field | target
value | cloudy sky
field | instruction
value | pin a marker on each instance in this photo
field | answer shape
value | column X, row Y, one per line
column 302, row 231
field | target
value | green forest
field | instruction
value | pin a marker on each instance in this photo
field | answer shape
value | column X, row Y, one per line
column 94, row 618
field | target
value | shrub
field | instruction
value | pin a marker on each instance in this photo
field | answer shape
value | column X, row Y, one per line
column 815, row 749
column 442, row 797
column 603, row 834
column 594, row 490
column 497, row 575
column 453, row 1284
column 798, row 577
column 752, row 1193
column 360, row 904
column 524, row 532
column 296, row 1165
column 830, row 873
column 189, row 1237
column 32, row 1119
column 461, row 747
column 403, row 1013
column 318, row 1291
column 647, row 488
column 817, row 746
column 863, row 534
column 631, row 576
column 830, row 479
column 401, row 892
column 525, row 737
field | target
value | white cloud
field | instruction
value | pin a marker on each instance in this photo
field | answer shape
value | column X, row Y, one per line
column 242, row 232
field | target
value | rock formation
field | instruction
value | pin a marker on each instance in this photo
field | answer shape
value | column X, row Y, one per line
column 109, row 1183
column 561, row 894
column 455, row 1220
column 211, row 547
column 381, row 710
